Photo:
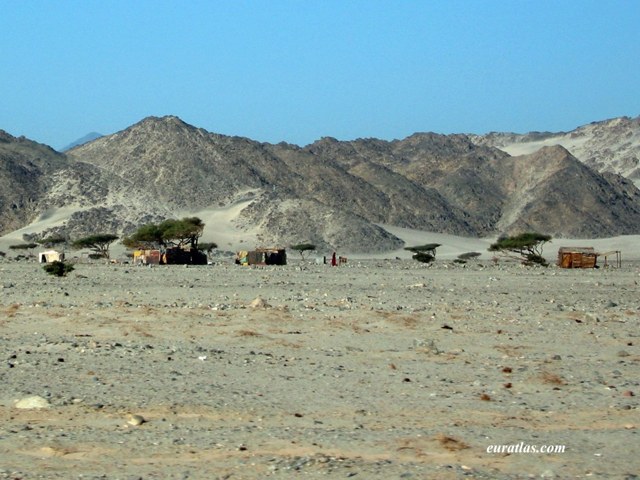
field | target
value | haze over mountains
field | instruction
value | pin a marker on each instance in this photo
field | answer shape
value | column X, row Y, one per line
column 81, row 141
column 335, row 194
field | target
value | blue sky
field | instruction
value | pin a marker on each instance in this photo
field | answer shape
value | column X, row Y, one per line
column 295, row 71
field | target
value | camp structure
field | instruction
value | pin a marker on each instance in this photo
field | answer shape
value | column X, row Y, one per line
column 183, row 256
column 262, row 256
column 585, row 257
column 170, row 256
column 50, row 256
column 146, row 257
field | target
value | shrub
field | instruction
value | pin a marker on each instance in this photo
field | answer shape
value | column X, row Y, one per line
column 463, row 257
column 423, row 257
column 59, row 269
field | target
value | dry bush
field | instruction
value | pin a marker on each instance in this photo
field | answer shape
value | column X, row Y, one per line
column 248, row 333
column 450, row 443
column 11, row 310
column 552, row 378
column 140, row 331
column 402, row 319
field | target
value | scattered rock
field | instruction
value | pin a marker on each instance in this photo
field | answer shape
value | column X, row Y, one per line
column 259, row 303
column 32, row 402
column 135, row 420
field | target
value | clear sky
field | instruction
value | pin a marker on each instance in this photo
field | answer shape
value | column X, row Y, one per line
column 298, row 70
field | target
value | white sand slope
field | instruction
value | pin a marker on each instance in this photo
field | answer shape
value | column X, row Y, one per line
column 49, row 219
column 223, row 227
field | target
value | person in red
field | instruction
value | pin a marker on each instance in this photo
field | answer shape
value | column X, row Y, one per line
column 333, row 260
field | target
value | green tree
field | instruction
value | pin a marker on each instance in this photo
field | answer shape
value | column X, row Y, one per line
column 146, row 237
column 169, row 233
column 23, row 246
column 183, row 232
column 98, row 243
column 26, row 247
column 51, row 242
column 526, row 247
column 424, row 253
column 302, row 248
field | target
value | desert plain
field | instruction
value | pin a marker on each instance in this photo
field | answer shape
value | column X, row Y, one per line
column 380, row 368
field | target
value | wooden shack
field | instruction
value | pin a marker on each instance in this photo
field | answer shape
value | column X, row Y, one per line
column 262, row 256
column 586, row 257
column 577, row 257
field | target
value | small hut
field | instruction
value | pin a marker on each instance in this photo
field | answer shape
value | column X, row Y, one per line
column 577, row 257
column 262, row 256
column 146, row 257
column 585, row 257
column 50, row 256
column 183, row 256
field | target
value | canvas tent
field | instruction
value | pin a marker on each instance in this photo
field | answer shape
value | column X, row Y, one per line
column 50, row 256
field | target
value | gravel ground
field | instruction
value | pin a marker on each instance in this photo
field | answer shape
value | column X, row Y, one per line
column 377, row 369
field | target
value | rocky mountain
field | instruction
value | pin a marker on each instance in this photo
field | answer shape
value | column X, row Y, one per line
column 332, row 193
column 26, row 168
column 607, row 146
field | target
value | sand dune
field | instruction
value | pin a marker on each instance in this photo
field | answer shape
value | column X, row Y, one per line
column 223, row 227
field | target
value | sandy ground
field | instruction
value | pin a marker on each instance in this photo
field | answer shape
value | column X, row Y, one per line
column 377, row 369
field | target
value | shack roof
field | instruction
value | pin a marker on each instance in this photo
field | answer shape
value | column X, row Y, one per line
column 588, row 250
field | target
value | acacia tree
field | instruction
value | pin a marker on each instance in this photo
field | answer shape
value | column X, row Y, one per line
column 98, row 243
column 182, row 232
column 53, row 241
column 146, row 237
column 424, row 253
column 526, row 247
column 23, row 246
column 26, row 247
column 169, row 233
column 302, row 248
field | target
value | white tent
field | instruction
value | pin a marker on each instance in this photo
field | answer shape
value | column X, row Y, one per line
column 50, row 256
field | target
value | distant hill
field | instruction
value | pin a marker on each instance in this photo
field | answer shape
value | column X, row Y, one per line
column 335, row 194
column 81, row 141
column 607, row 146
column 26, row 170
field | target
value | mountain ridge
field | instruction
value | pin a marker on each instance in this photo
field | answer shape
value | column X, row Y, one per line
column 331, row 193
